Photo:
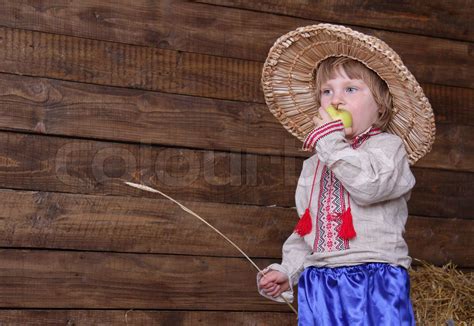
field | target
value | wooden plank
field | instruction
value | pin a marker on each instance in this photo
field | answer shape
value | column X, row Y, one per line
column 195, row 27
column 139, row 225
column 212, row 75
column 34, row 162
column 81, row 110
column 440, row 241
column 144, row 225
column 451, row 104
column 14, row 317
column 114, row 64
column 37, row 278
column 58, row 108
column 451, row 149
column 46, row 163
column 434, row 18
column 436, row 194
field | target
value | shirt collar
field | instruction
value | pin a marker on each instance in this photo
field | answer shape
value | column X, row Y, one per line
column 361, row 138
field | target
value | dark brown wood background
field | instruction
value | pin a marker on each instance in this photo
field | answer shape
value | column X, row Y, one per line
column 167, row 93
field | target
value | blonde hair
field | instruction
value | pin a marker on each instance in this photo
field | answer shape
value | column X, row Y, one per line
column 327, row 69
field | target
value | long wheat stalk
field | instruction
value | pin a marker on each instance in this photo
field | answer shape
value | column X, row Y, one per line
column 187, row 210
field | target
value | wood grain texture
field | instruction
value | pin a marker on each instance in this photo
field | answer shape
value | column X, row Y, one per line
column 436, row 192
column 451, row 149
column 144, row 225
column 42, row 54
column 38, row 278
column 434, row 18
column 115, row 64
column 12, row 317
column 87, row 92
column 434, row 240
column 231, row 32
column 139, row 225
column 46, row 163
column 83, row 166
column 451, row 104
column 90, row 111
column 78, row 110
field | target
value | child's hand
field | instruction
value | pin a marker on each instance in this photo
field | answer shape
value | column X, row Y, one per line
column 325, row 118
column 273, row 283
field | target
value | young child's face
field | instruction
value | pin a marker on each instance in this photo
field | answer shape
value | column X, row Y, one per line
column 354, row 96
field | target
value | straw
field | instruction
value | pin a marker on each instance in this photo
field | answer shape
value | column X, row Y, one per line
column 442, row 294
column 289, row 93
column 187, row 210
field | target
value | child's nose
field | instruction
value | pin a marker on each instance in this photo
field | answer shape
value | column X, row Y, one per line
column 337, row 100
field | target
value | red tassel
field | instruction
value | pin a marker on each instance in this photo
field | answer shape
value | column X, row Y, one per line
column 304, row 224
column 347, row 228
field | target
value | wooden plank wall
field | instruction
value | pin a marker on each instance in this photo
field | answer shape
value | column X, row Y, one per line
column 167, row 93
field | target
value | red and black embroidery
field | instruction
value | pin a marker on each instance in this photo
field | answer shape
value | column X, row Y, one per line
column 359, row 140
column 333, row 222
column 331, row 205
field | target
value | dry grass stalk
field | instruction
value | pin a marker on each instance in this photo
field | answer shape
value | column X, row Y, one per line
column 442, row 295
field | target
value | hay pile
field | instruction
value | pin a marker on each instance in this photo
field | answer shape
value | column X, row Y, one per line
column 442, row 295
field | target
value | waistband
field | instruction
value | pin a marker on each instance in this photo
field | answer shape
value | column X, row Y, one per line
column 362, row 268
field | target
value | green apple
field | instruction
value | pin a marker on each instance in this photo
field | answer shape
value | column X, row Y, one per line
column 340, row 114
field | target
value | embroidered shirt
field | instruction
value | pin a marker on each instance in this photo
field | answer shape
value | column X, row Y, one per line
column 369, row 173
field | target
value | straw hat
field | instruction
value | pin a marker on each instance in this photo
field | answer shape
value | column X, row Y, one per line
column 288, row 74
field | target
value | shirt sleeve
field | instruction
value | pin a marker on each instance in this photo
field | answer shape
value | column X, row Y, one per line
column 320, row 132
column 375, row 172
column 294, row 251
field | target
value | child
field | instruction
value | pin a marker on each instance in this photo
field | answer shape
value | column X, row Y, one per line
column 347, row 252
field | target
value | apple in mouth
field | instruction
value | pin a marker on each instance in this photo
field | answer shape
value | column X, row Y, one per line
column 340, row 114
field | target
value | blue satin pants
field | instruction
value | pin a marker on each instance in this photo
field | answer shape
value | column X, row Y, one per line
column 368, row 294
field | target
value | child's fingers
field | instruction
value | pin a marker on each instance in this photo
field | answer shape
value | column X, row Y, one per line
column 275, row 292
column 267, row 280
column 348, row 131
column 269, row 285
column 271, row 290
column 270, row 276
column 317, row 121
column 323, row 118
column 324, row 114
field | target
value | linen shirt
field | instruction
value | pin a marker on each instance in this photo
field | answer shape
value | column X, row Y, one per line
column 372, row 176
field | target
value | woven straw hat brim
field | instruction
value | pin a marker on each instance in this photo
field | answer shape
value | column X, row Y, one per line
column 288, row 73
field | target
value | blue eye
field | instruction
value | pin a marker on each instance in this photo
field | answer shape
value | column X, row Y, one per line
column 325, row 91
column 351, row 89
